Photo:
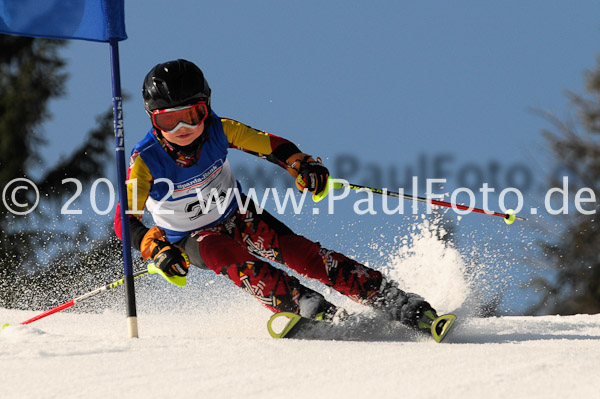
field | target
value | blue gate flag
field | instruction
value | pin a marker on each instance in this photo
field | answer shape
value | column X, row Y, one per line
column 96, row 20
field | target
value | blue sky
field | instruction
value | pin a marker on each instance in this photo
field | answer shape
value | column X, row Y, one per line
column 391, row 84
column 384, row 81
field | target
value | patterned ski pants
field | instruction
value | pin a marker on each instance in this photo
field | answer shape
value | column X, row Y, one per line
column 234, row 249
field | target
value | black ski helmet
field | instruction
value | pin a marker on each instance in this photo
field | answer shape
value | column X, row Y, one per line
column 174, row 83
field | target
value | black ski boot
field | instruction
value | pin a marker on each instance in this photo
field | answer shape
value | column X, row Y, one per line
column 314, row 306
column 407, row 308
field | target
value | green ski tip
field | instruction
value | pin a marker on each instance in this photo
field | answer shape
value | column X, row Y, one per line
column 292, row 320
column 4, row 326
column 441, row 326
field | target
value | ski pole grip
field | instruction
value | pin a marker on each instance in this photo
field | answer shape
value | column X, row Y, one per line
column 331, row 183
column 179, row 281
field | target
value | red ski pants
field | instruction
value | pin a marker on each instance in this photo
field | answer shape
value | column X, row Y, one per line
column 233, row 249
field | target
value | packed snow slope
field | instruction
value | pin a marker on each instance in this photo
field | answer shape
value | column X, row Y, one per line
column 209, row 340
column 231, row 355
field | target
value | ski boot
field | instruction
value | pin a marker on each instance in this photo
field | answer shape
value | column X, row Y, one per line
column 413, row 311
column 313, row 305
column 408, row 308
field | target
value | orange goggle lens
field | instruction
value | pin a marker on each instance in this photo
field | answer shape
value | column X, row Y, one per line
column 170, row 119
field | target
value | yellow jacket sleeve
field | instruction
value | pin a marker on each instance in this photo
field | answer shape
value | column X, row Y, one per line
column 274, row 148
column 139, row 183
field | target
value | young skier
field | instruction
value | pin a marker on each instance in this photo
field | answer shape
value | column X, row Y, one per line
column 183, row 155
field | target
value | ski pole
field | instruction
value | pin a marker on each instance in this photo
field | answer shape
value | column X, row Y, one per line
column 151, row 269
column 509, row 217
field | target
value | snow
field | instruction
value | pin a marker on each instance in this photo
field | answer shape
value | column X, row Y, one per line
column 76, row 355
column 209, row 340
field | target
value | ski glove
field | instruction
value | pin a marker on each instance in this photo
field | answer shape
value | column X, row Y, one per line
column 171, row 260
column 167, row 257
column 310, row 174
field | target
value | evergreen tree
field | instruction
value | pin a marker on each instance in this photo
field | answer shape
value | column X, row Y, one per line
column 575, row 256
column 37, row 255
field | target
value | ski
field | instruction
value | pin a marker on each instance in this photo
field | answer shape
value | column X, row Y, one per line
column 441, row 326
column 298, row 327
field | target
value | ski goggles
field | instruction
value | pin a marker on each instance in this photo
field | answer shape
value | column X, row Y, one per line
column 171, row 119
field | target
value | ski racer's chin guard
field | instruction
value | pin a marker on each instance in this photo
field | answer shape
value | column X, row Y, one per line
column 174, row 84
